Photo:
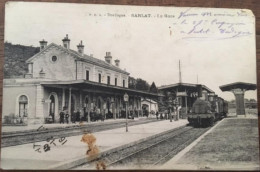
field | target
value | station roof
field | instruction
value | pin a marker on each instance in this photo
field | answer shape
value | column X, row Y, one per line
column 182, row 86
column 98, row 87
column 79, row 57
column 235, row 85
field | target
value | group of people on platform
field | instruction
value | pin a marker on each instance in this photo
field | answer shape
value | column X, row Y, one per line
column 94, row 114
column 175, row 114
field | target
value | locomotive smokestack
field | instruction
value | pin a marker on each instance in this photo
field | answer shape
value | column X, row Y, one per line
column 199, row 90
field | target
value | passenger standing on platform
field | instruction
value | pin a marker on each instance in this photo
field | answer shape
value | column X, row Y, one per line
column 103, row 115
column 62, row 114
column 67, row 117
column 97, row 115
column 81, row 114
column 52, row 117
column 73, row 118
column 78, row 116
column 165, row 114
column 85, row 114
column 157, row 115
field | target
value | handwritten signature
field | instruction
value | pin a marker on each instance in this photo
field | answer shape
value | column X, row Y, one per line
column 50, row 142
column 213, row 25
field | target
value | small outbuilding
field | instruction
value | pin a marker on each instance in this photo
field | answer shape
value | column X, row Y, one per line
column 239, row 89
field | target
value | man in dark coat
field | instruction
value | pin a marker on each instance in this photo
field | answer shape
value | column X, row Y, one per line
column 78, row 115
column 157, row 115
column 67, row 117
column 62, row 114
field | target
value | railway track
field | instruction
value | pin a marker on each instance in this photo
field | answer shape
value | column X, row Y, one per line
column 19, row 138
column 152, row 152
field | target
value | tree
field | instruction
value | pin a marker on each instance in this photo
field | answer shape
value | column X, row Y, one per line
column 252, row 100
column 153, row 88
column 132, row 83
column 142, row 85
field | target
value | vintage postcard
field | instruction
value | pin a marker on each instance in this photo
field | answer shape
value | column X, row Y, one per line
column 128, row 87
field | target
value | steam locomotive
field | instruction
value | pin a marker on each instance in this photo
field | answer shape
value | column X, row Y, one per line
column 207, row 109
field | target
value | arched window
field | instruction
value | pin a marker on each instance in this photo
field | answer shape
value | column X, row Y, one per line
column 23, row 106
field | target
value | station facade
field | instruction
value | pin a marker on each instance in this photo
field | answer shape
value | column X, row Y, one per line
column 60, row 78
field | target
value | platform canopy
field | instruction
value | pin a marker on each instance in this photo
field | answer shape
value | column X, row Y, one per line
column 184, row 86
column 98, row 87
column 238, row 85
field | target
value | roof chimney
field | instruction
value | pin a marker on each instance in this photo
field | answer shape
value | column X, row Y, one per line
column 108, row 57
column 66, row 42
column 117, row 62
column 43, row 44
column 81, row 48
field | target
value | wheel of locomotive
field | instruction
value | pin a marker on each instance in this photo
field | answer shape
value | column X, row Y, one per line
column 205, row 123
column 190, row 121
column 211, row 121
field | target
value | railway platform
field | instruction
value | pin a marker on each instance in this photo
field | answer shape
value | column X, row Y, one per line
column 65, row 155
column 231, row 144
column 7, row 129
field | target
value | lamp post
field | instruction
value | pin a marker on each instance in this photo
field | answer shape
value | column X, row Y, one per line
column 176, row 103
column 126, row 98
column 170, row 105
column 170, row 113
column 113, row 107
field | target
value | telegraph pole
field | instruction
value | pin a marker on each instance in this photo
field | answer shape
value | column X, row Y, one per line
column 180, row 72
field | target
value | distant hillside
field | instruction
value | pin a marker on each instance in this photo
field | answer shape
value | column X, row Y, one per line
column 15, row 57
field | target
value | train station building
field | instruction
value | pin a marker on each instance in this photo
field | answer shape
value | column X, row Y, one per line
column 59, row 77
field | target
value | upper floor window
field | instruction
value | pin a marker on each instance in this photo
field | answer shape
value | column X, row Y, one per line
column 108, row 80
column 123, row 83
column 99, row 77
column 87, row 75
column 115, row 81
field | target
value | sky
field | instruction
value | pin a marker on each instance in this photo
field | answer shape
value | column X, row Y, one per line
column 217, row 46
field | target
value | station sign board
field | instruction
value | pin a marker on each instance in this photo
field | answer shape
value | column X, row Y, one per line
column 46, row 100
column 178, row 94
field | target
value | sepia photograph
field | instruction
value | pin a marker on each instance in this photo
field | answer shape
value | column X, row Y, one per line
column 104, row 87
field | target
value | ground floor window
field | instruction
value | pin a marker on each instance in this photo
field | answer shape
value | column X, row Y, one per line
column 23, row 106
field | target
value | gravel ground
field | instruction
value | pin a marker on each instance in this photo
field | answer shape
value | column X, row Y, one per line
column 234, row 144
